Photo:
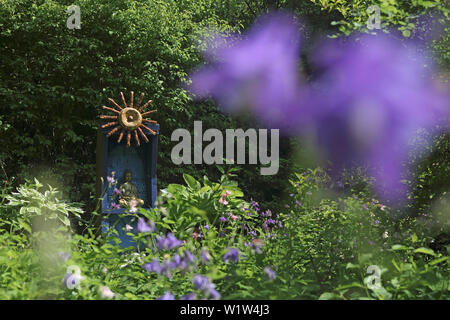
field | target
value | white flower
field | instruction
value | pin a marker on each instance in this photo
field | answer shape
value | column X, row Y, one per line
column 385, row 234
column 128, row 227
column 106, row 293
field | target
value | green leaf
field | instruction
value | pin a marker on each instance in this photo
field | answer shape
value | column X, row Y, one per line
column 191, row 182
column 425, row 251
column 328, row 296
column 436, row 261
column 397, row 247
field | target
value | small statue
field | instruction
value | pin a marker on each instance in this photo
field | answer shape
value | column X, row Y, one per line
column 129, row 192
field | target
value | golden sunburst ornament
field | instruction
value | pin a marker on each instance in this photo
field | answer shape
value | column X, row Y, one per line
column 129, row 119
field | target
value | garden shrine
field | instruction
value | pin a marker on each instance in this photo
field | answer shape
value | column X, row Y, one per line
column 126, row 168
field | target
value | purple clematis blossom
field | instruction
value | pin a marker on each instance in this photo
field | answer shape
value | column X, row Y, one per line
column 205, row 285
column 169, row 242
column 189, row 257
column 144, row 227
column 214, row 294
column 232, row 255
column 200, row 282
column 270, row 273
column 258, row 71
column 189, row 296
column 154, row 266
column 205, row 256
column 167, row 296
column 372, row 98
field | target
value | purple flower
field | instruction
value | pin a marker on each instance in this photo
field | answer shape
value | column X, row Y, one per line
column 168, row 243
column 117, row 192
column 368, row 104
column 201, row 282
column 204, row 284
column 232, row 255
column 189, row 296
column 176, row 261
column 254, row 205
column 206, row 227
column 270, row 273
column 154, row 266
column 144, row 227
column 189, row 256
column 223, row 219
column 213, row 294
column 167, row 296
column 259, row 71
column 72, row 280
column 115, row 206
column 205, row 256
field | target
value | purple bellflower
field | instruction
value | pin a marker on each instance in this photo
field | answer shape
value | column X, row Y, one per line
column 372, row 98
column 144, row 227
column 232, row 255
column 167, row 296
column 169, row 242
column 258, row 71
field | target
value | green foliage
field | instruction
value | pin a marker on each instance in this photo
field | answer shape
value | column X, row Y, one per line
column 34, row 203
column 319, row 248
column 393, row 14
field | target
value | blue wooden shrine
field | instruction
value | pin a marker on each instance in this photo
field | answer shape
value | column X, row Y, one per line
column 133, row 149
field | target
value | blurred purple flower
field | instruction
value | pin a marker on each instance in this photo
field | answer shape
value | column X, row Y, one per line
column 189, row 296
column 189, row 257
column 214, row 294
column 167, row 296
column 373, row 96
column 205, row 256
column 258, row 70
column 232, row 255
column 144, row 227
column 200, row 282
column 176, row 261
column 117, row 192
column 169, row 242
column 205, row 285
column 223, row 219
column 154, row 266
column 270, row 273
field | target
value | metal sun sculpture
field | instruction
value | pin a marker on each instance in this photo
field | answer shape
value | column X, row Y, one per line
column 128, row 119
